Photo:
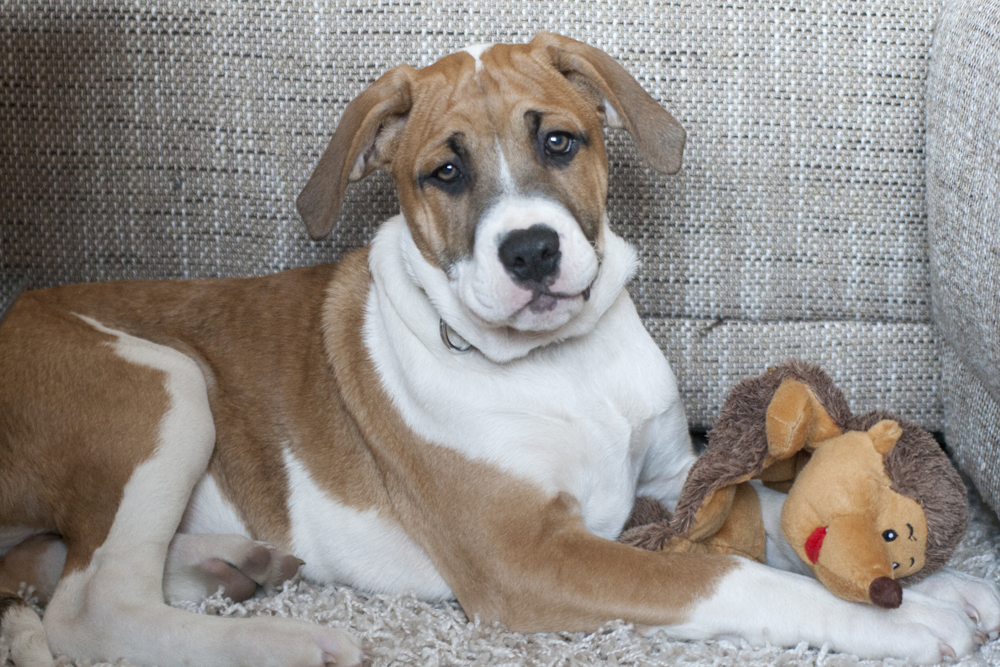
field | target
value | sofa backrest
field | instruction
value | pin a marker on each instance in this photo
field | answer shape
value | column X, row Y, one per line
column 171, row 139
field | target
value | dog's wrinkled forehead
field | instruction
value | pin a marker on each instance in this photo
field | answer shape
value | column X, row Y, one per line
column 491, row 122
column 482, row 129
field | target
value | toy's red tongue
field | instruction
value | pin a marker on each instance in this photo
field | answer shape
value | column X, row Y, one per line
column 814, row 543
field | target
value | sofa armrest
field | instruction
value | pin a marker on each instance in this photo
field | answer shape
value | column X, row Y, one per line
column 963, row 208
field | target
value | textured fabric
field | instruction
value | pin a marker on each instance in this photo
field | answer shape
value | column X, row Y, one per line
column 963, row 193
column 171, row 139
column 972, row 426
column 891, row 366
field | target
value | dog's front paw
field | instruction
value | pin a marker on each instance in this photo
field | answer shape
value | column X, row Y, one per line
column 979, row 598
column 930, row 629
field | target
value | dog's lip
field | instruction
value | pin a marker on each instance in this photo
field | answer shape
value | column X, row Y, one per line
column 543, row 300
column 564, row 295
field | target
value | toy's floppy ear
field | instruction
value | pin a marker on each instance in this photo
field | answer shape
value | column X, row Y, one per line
column 657, row 134
column 796, row 419
column 362, row 143
column 884, row 435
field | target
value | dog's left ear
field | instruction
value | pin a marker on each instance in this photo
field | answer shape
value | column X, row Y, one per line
column 658, row 135
column 363, row 142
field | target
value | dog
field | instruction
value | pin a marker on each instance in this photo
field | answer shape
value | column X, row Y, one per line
column 465, row 409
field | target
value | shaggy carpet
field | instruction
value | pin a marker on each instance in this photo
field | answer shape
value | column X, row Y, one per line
column 402, row 630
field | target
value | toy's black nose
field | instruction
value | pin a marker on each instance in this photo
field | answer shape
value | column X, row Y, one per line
column 532, row 254
column 886, row 593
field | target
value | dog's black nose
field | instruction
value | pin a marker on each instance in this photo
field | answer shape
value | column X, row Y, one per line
column 532, row 254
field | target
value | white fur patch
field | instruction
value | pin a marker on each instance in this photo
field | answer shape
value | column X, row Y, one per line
column 359, row 548
column 22, row 634
column 769, row 606
column 477, row 51
column 208, row 511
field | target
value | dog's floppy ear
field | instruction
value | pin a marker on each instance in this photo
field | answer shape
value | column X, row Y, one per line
column 658, row 135
column 363, row 142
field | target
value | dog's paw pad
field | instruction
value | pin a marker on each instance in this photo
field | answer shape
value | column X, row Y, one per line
column 235, row 584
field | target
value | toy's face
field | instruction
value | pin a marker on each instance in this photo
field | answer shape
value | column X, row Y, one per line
column 848, row 525
column 902, row 527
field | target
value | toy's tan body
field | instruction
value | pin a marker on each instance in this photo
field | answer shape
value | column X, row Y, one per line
column 466, row 409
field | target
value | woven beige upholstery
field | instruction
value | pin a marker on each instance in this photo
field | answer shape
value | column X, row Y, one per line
column 171, row 139
column 963, row 198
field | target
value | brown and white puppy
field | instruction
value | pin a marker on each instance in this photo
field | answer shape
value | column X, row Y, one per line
column 465, row 409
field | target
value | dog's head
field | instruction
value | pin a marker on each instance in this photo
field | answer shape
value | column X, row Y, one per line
column 499, row 161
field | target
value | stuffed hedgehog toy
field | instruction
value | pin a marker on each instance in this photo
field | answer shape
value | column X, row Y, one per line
column 873, row 502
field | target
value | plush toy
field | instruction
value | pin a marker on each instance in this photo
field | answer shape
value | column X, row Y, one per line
column 873, row 502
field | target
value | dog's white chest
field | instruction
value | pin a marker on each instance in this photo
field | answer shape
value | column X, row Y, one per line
column 574, row 417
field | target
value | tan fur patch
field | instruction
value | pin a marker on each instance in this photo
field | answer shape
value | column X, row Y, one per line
column 75, row 420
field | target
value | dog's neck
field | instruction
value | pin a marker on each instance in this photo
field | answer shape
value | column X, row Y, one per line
column 421, row 294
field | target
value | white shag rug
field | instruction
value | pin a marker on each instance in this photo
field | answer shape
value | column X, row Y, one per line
column 402, row 630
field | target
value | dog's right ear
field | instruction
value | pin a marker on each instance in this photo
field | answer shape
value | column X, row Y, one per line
column 659, row 136
column 365, row 140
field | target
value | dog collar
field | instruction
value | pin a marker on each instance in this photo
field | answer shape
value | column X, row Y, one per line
column 447, row 333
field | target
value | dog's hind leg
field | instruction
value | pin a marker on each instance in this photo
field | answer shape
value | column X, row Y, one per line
column 21, row 634
column 34, row 567
column 199, row 564
column 109, row 603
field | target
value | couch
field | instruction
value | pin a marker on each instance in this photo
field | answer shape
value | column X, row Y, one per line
column 839, row 202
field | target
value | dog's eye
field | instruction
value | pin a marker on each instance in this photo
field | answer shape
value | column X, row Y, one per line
column 447, row 173
column 889, row 535
column 895, row 566
column 558, row 143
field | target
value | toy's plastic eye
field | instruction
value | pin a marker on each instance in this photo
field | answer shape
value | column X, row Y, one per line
column 895, row 566
column 889, row 535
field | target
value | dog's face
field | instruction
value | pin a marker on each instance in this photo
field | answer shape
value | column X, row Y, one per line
column 499, row 161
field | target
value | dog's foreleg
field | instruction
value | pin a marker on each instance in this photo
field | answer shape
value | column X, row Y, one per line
column 780, row 554
column 766, row 605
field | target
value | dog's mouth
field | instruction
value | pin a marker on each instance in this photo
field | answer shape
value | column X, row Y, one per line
column 544, row 301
